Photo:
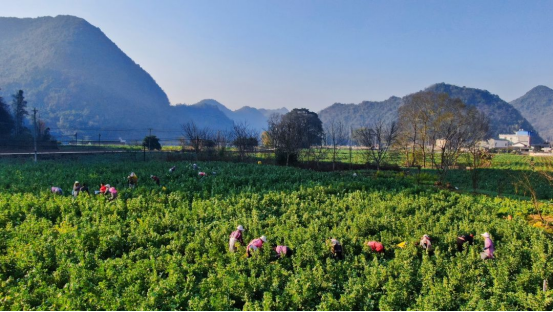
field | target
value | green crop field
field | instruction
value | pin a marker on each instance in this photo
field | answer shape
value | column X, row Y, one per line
column 165, row 248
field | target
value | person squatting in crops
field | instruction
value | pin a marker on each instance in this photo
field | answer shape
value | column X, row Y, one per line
column 76, row 189
column 84, row 189
column 336, row 249
column 375, row 246
column 235, row 237
column 111, row 192
column 464, row 239
column 56, row 190
column 489, row 247
column 426, row 244
column 283, row 251
column 172, row 169
column 133, row 180
column 103, row 189
column 255, row 244
column 156, row 179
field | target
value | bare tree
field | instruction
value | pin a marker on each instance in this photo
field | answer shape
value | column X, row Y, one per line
column 479, row 126
column 286, row 135
column 197, row 137
column 244, row 138
column 336, row 135
column 221, row 139
column 378, row 141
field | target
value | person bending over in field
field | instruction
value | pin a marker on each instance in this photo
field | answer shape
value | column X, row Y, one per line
column 103, row 189
column 133, row 180
column 255, row 244
column 195, row 167
column 56, row 190
column 283, row 251
column 84, row 189
column 156, row 179
column 172, row 169
column 336, row 249
column 463, row 239
column 489, row 247
column 235, row 237
column 426, row 244
column 375, row 246
column 111, row 192
column 76, row 189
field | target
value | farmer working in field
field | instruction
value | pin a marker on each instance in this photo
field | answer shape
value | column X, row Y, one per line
column 235, row 237
column 172, row 169
column 111, row 192
column 375, row 246
column 463, row 239
column 84, row 189
column 255, row 245
column 336, row 249
column 489, row 247
column 425, row 243
column 133, row 180
column 156, row 179
column 283, row 251
column 76, row 189
column 56, row 190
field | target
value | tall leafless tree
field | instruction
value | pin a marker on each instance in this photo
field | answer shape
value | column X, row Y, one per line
column 244, row 138
column 197, row 137
column 378, row 140
column 336, row 135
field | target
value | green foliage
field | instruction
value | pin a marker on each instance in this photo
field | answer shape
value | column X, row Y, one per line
column 151, row 142
column 159, row 248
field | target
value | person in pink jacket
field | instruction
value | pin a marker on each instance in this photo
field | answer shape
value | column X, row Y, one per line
column 283, row 251
column 256, row 244
column 112, row 191
column 489, row 247
column 236, row 237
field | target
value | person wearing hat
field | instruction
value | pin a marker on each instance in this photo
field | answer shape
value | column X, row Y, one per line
column 76, row 189
column 133, row 180
column 375, row 246
column 156, row 179
column 425, row 243
column 489, row 247
column 255, row 245
column 235, row 236
column 463, row 239
column 336, row 249
column 56, row 190
column 111, row 191
column 172, row 169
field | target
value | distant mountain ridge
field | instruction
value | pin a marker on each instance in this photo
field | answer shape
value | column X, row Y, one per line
column 537, row 107
column 253, row 117
column 504, row 118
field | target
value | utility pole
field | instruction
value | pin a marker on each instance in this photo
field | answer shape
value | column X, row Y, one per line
column 99, row 139
column 150, row 140
column 36, row 128
column 76, row 141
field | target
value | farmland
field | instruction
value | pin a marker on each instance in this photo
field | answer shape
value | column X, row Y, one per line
column 165, row 248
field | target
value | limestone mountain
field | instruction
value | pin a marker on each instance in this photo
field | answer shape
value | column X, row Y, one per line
column 79, row 79
column 537, row 107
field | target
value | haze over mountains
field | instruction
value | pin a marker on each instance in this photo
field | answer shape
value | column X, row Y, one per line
column 537, row 107
column 504, row 118
column 79, row 80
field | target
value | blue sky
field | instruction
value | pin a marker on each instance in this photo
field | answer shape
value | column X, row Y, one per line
column 314, row 53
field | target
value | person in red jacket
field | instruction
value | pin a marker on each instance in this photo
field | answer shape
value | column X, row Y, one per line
column 375, row 246
column 156, row 179
column 255, row 245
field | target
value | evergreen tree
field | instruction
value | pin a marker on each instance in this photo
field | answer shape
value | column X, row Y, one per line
column 19, row 106
column 6, row 121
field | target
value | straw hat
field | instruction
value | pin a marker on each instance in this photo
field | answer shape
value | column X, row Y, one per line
column 240, row 228
column 264, row 238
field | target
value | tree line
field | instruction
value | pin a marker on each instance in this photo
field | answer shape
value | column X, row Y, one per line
column 13, row 130
column 432, row 130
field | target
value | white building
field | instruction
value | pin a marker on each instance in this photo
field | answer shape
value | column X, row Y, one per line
column 521, row 138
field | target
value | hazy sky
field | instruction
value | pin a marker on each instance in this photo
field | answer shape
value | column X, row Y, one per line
column 298, row 53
